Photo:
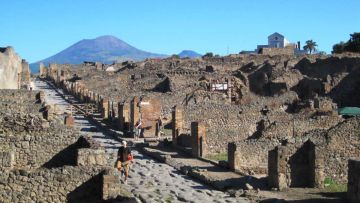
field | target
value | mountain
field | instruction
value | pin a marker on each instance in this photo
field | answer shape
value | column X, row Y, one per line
column 189, row 53
column 105, row 49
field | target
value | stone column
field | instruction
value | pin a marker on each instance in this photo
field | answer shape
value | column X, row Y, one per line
column 110, row 113
column 319, row 165
column 123, row 115
column 134, row 112
column 104, row 108
column 353, row 193
column 42, row 70
column 198, row 135
column 233, row 156
column 177, row 123
column 277, row 168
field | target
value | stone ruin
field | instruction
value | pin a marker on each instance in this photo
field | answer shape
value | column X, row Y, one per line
column 247, row 104
column 122, row 115
column 296, row 167
column 14, row 71
column 73, row 168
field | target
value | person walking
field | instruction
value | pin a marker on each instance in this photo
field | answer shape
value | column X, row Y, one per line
column 124, row 158
column 138, row 129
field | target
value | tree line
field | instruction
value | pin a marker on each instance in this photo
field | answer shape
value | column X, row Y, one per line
column 352, row 45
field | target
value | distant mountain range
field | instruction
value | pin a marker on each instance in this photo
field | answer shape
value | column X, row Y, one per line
column 189, row 53
column 105, row 49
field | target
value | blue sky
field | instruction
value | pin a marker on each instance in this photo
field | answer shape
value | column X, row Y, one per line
column 41, row 28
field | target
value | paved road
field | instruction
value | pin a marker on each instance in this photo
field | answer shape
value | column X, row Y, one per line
column 149, row 180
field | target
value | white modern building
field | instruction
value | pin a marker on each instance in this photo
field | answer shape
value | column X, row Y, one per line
column 277, row 40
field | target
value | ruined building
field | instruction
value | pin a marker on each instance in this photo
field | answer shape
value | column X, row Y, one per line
column 14, row 72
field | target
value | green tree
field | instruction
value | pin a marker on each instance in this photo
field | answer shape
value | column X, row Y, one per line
column 310, row 46
column 208, row 55
column 339, row 48
column 175, row 56
column 352, row 45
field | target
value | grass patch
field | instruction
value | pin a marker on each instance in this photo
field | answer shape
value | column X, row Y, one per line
column 217, row 157
column 332, row 186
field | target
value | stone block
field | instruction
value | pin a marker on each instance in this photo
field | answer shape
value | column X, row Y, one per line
column 69, row 120
column 198, row 134
column 134, row 112
column 104, row 108
column 7, row 159
column 123, row 116
column 112, row 188
column 277, row 167
column 91, row 157
column 177, row 123
column 150, row 112
column 233, row 156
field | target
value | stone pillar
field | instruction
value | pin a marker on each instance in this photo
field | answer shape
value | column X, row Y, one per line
column 134, row 112
column 42, row 69
column 96, row 98
column 233, row 155
column 319, row 165
column 123, row 116
column 353, row 193
column 104, row 108
column 82, row 94
column 229, row 86
column 49, row 112
column 198, row 135
column 110, row 113
column 40, row 97
column 69, row 120
column 277, row 168
column 76, row 89
column 177, row 123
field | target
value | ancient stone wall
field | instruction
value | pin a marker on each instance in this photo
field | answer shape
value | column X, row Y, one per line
column 296, row 166
column 25, row 75
column 343, row 142
column 91, row 157
column 278, row 51
column 32, row 141
column 66, row 184
column 50, row 147
column 10, row 69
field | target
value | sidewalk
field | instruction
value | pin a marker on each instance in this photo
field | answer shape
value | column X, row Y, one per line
column 209, row 173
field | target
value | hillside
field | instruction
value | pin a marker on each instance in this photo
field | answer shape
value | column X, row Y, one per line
column 105, row 49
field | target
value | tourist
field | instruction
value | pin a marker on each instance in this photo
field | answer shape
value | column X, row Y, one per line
column 138, row 129
column 124, row 158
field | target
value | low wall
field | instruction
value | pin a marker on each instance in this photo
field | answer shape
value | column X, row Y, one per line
column 66, row 184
